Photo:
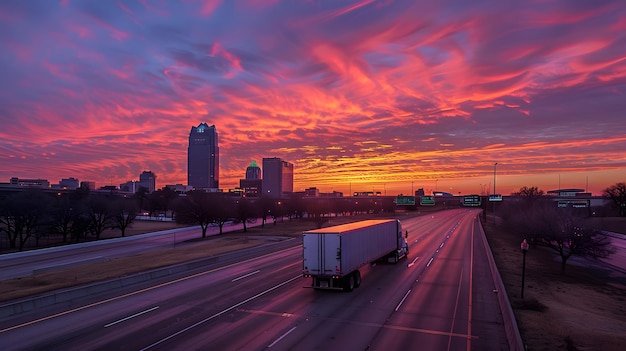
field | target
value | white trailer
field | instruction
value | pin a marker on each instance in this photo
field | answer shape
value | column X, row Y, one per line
column 332, row 256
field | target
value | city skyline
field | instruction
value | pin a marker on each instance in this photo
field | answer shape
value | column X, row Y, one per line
column 384, row 96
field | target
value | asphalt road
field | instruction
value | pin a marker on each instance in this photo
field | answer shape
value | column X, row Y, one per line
column 441, row 298
column 618, row 258
column 21, row 264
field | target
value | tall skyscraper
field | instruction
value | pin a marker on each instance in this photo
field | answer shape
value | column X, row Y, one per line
column 277, row 177
column 203, row 157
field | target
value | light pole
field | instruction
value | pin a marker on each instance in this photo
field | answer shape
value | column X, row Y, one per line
column 524, row 246
column 494, row 177
column 494, row 191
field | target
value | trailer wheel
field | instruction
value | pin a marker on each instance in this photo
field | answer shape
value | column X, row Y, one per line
column 349, row 283
column 357, row 279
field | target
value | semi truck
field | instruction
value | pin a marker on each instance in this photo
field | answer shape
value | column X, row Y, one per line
column 332, row 256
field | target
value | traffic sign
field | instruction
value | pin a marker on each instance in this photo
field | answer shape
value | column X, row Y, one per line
column 405, row 200
column 427, row 200
column 495, row 197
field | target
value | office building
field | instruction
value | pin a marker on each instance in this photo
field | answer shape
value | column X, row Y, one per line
column 203, row 158
column 179, row 188
column 147, row 179
column 253, row 171
column 66, row 184
column 130, row 186
column 252, row 185
column 277, row 177
column 88, row 185
column 30, row 183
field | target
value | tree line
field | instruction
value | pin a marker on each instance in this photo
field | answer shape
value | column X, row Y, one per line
column 80, row 215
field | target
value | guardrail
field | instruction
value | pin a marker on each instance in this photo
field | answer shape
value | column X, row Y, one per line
column 510, row 323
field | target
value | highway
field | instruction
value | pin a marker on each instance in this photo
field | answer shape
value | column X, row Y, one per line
column 441, row 298
column 617, row 260
column 23, row 264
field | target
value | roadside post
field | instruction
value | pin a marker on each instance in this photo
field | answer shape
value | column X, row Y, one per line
column 524, row 246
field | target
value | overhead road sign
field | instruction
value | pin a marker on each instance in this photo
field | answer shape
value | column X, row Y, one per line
column 405, row 200
column 427, row 200
column 471, row 200
column 495, row 197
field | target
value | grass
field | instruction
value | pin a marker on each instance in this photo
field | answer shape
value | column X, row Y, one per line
column 584, row 309
column 63, row 278
column 54, row 279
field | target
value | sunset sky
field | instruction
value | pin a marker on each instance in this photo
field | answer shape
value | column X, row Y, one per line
column 386, row 96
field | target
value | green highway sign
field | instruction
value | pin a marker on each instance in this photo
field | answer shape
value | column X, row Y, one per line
column 405, row 200
column 427, row 200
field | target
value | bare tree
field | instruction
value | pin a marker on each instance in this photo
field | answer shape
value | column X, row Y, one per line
column 529, row 195
column 21, row 215
column 318, row 209
column 205, row 208
column 62, row 217
column 195, row 208
column 222, row 208
column 296, row 206
column 559, row 229
column 617, row 193
column 140, row 196
column 80, row 220
column 99, row 214
column 162, row 200
column 265, row 205
column 123, row 214
column 245, row 211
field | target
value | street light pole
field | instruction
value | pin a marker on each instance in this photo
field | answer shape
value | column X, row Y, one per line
column 494, row 177
column 494, row 191
column 524, row 246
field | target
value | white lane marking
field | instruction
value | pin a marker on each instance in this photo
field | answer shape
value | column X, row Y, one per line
column 471, row 283
column 129, row 317
column 245, row 276
column 412, row 263
column 221, row 313
column 456, row 307
column 440, row 246
column 429, row 262
column 136, row 292
column 402, row 301
column 281, row 337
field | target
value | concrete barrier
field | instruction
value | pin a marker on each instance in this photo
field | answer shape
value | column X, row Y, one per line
column 510, row 323
column 28, row 304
